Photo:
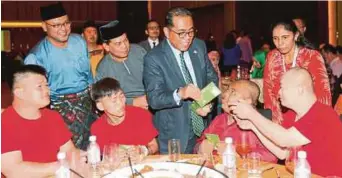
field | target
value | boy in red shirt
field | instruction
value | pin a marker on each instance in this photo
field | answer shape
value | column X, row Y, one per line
column 121, row 124
column 31, row 134
column 311, row 125
column 224, row 125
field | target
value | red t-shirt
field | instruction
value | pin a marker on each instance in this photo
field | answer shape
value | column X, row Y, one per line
column 220, row 127
column 136, row 129
column 38, row 140
column 322, row 126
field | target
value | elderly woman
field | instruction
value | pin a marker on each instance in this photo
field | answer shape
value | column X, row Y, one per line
column 291, row 53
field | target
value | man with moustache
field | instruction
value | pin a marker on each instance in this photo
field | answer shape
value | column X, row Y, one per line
column 124, row 62
column 65, row 58
column 174, row 73
column 152, row 31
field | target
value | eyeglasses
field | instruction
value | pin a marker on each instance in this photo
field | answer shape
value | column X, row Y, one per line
column 66, row 24
column 154, row 28
column 190, row 33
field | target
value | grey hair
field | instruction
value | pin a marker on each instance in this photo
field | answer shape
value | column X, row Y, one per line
column 177, row 11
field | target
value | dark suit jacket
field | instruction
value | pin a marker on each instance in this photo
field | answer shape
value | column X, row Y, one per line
column 145, row 45
column 162, row 76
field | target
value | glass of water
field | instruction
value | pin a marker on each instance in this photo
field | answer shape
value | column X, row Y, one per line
column 253, row 165
column 174, row 149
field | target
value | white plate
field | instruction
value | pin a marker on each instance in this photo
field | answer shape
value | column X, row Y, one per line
column 158, row 174
column 183, row 168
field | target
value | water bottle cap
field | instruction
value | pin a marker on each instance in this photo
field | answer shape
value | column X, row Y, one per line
column 301, row 154
column 228, row 140
column 61, row 155
column 92, row 138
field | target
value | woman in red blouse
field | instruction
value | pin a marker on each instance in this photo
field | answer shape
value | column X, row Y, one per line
column 290, row 52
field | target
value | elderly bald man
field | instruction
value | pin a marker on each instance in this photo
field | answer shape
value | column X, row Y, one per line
column 224, row 125
column 313, row 126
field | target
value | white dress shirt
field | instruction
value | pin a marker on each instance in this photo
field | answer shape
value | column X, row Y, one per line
column 151, row 42
column 188, row 64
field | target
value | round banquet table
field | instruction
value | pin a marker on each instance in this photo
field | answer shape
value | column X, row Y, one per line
column 271, row 173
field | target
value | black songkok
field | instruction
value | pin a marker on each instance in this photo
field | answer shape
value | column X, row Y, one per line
column 111, row 30
column 52, row 11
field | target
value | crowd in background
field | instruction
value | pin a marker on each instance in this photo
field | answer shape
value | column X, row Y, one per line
column 144, row 91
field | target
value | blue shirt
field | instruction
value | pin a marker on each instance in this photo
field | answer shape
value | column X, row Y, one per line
column 231, row 56
column 68, row 69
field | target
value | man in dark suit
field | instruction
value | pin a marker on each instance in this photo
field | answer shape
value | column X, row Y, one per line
column 152, row 31
column 174, row 73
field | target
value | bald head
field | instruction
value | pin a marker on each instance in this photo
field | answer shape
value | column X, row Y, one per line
column 247, row 89
column 298, row 77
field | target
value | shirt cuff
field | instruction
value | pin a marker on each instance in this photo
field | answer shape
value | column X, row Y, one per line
column 176, row 97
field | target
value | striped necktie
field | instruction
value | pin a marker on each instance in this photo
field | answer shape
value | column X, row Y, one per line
column 197, row 121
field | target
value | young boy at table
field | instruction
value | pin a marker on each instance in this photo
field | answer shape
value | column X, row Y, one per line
column 224, row 125
column 121, row 124
column 31, row 134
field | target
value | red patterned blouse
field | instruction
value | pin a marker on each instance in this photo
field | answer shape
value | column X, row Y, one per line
column 274, row 70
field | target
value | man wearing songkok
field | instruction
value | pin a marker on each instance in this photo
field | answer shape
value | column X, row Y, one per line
column 32, row 135
column 224, row 125
column 124, row 62
column 65, row 58
column 121, row 124
column 313, row 126
column 95, row 50
column 152, row 31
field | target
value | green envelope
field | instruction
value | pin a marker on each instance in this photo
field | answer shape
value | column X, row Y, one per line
column 213, row 138
column 208, row 93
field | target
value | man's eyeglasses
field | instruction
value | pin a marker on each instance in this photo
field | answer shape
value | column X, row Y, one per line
column 190, row 33
column 154, row 28
column 59, row 26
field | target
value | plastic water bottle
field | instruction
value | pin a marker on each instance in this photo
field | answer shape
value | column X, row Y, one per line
column 229, row 158
column 302, row 167
column 63, row 171
column 238, row 72
column 93, row 154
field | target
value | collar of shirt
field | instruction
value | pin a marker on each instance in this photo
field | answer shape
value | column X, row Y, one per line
column 151, row 42
column 187, row 60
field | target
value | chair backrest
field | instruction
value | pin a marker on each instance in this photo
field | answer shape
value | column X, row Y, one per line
column 266, row 113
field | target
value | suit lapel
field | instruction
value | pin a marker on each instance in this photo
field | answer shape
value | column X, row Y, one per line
column 193, row 53
column 148, row 45
column 172, row 61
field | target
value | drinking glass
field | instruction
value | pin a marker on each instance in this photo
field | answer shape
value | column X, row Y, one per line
column 243, row 147
column 291, row 158
column 253, row 165
column 110, row 157
column 174, row 149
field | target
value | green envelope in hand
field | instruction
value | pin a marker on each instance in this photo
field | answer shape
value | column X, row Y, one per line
column 213, row 138
column 208, row 93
